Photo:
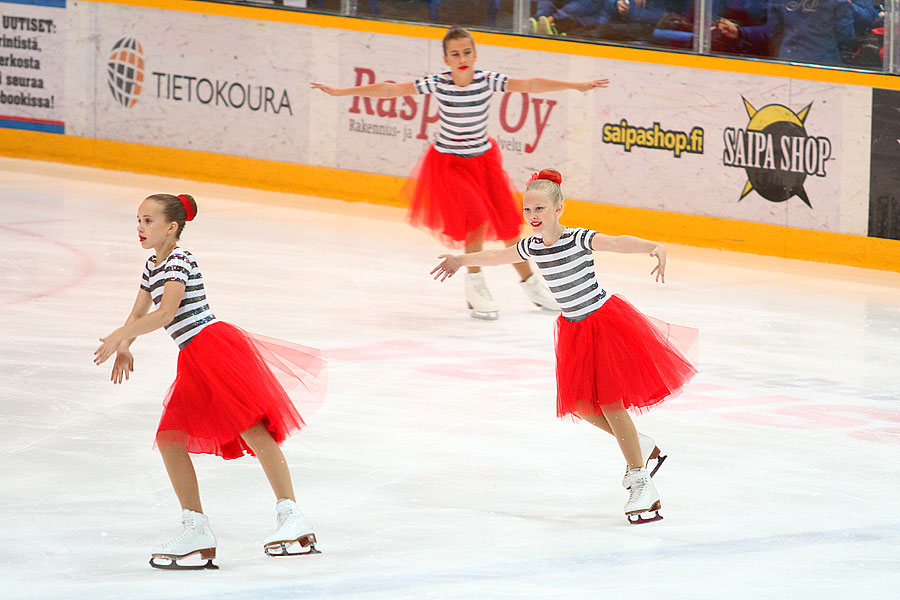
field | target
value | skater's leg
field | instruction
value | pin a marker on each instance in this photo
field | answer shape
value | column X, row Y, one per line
column 475, row 243
column 626, row 434
column 272, row 460
column 598, row 421
column 182, row 475
column 478, row 296
column 292, row 525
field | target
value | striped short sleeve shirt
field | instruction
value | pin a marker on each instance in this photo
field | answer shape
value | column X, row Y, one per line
column 463, row 111
column 194, row 312
column 568, row 268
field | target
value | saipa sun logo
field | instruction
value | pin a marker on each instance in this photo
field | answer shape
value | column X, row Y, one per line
column 776, row 152
column 125, row 71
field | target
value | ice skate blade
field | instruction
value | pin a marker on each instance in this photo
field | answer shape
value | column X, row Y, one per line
column 281, row 548
column 484, row 315
column 491, row 316
column 660, row 459
column 174, row 566
column 638, row 518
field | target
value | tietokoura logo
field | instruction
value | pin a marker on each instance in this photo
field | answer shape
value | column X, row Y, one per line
column 125, row 71
column 126, row 78
column 776, row 152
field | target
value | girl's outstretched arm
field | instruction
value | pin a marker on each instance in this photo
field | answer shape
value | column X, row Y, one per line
column 451, row 263
column 538, row 85
column 168, row 306
column 384, row 89
column 123, row 365
column 631, row 244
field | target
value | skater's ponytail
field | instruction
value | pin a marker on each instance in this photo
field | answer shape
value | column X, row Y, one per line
column 547, row 182
column 178, row 209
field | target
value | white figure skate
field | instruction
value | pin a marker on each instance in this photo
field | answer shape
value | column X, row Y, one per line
column 479, row 298
column 643, row 499
column 197, row 538
column 538, row 293
column 649, row 452
column 292, row 528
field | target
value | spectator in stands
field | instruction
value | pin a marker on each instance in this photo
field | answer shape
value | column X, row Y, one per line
column 864, row 15
column 739, row 13
column 572, row 17
column 804, row 31
column 613, row 20
column 867, row 50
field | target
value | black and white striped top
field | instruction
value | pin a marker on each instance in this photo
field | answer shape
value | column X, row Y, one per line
column 568, row 268
column 463, row 111
column 194, row 312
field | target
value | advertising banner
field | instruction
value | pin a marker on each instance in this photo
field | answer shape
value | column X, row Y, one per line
column 722, row 145
column 32, row 65
column 712, row 143
column 200, row 82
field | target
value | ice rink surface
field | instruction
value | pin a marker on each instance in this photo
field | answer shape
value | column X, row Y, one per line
column 436, row 467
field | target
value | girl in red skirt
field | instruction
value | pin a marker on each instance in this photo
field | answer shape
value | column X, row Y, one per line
column 229, row 395
column 459, row 190
column 609, row 357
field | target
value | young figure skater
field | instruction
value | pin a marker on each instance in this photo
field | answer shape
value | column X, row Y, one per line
column 459, row 190
column 225, row 399
column 609, row 357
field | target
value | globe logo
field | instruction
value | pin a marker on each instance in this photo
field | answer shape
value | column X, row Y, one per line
column 125, row 71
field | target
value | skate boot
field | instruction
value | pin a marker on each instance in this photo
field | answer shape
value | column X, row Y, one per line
column 643, row 499
column 649, row 452
column 479, row 298
column 196, row 539
column 538, row 293
column 292, row 528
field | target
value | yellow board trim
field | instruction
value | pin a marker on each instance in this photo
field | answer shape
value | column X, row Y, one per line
column 353, row 186
column 522, row 42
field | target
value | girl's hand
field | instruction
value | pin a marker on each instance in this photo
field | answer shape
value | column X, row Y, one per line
column 331, row 91
column 123, row 366
column 660, row 269
column 110, row 344
column 447, row 268
column 585, row 86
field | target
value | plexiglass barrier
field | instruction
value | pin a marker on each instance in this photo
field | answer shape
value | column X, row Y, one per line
column 859, row 35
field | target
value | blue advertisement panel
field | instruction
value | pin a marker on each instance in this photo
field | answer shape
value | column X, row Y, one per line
column 32, row 65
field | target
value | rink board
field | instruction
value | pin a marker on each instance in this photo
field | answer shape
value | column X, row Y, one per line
column 685, row 150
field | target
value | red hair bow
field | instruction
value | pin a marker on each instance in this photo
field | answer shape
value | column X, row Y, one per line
column 189, row 212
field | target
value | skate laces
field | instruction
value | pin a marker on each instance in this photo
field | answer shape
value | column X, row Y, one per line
column 287, row 513
column 190, row 527
column 481, row 288
column 639, row 485
column 286, row 517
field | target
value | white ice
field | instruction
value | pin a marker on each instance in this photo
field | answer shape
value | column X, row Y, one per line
column 436, row 467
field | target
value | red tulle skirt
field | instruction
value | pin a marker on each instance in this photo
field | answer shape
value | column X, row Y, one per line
column 460, row 199
column 228, row 380
column 616, row 354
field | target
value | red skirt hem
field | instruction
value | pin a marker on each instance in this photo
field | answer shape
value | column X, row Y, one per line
column 228, row 380
column 462, row 199
column 616, row 355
